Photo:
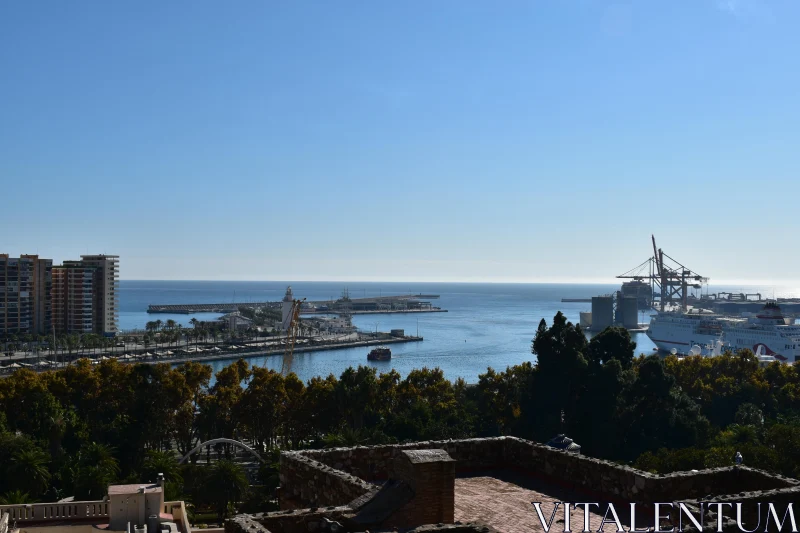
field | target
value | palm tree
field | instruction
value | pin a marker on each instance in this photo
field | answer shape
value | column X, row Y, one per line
column 156, row 462
column 159, row 324
column 29, row 468
column 227, row 484
column 171, row 324
column 95, row 469
column 16, row 497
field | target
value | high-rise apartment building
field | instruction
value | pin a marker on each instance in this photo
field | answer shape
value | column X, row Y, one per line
column 25, row 285
column 85, row 295
column 106, row 295
column 76, row 297
column 74, row 286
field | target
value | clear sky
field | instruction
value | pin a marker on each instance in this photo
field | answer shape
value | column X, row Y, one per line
column 538, row 140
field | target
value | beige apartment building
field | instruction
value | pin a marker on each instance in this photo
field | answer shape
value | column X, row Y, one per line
column 25, row 284
column 76, row 297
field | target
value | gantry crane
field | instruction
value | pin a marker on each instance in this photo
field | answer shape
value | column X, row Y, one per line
column 291, row 336
column 669, row 282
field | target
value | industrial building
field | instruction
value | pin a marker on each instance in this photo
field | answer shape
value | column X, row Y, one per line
column 611, row 310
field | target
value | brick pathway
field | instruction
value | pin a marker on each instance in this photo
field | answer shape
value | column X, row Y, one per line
column 504, row 503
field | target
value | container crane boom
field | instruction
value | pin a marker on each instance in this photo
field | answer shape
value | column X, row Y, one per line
column 291, row 337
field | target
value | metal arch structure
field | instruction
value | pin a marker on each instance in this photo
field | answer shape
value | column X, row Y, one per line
column 211, row 442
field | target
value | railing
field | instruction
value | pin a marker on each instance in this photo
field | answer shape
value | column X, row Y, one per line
column 179, row 515
column 38, row 512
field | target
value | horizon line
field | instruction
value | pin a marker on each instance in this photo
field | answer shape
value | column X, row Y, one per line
column 515, row 281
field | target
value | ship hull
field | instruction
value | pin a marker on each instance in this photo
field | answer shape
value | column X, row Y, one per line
column 680, row 333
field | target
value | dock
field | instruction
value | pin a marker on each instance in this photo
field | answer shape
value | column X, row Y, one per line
column 576, row 300
column 374, row 305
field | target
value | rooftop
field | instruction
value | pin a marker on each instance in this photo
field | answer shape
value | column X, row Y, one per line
column 132, row 489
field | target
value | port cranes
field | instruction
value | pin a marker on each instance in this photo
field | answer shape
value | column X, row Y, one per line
column 669, row 280
column 291, row 336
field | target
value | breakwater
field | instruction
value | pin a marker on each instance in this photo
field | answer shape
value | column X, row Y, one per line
column 381, row 304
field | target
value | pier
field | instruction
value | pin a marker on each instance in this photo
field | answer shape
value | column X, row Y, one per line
column 374, row 305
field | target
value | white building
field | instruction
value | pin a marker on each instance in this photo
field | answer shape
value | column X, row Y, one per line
column 106, row 298
column 128, row 508
column 286, row 307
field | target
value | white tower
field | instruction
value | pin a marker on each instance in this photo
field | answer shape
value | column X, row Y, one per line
column 286, row 318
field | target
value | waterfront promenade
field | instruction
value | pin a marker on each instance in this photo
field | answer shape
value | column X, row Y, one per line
column 202, row 352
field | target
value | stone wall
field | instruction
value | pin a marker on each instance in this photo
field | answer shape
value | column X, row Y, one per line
column 306, row 482
column 596, row 477
column 338, row 476
column 431, row 476
column 753, row 516
column 309, row 521
column 373, row 463
column 612, row 482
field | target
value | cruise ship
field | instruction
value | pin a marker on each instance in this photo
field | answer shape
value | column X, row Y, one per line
column 768, row 333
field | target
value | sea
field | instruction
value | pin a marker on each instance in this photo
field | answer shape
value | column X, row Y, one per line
column 486, row 324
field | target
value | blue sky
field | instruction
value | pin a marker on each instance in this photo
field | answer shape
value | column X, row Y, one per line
column 375, row 140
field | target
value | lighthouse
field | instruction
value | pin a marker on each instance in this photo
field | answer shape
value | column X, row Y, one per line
column 286, row 307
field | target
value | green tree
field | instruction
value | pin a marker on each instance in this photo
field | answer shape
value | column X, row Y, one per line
column 612, row 344
column 158, row 462
column 29, row 470
column 226, row 485
column 355, row 392
column 655, row 413
column 16, row 497
column 92, row 471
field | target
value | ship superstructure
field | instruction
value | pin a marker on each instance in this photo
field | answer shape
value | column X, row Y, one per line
column 768, row 333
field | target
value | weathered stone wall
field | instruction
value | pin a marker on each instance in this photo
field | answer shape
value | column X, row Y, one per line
column 753, row 516
column 337, row 476
column 312, row 520
column 373, row 463
column 306, row 482
column 431, row 475
column 611, row 481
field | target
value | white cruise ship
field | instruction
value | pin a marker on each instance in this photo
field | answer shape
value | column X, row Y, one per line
column 767, row 333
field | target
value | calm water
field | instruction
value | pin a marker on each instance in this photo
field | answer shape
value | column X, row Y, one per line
column 486, row 324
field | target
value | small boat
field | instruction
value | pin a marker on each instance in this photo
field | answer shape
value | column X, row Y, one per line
column 380, row 354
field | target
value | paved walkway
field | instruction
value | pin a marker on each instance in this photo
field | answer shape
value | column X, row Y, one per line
column 505, row 504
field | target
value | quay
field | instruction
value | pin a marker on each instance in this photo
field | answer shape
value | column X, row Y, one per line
column 304, row 312
column 215, row 353
column 188, row 309
column 576, row 300
column 380, row 304
column 297, row 349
